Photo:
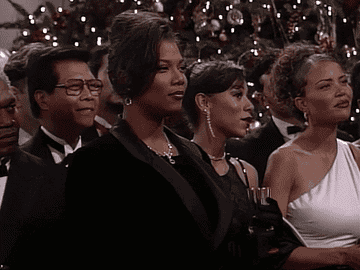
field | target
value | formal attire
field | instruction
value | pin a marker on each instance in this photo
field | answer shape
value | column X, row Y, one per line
column 128, row 206
column 257, row 146
column 328, row 215
column 49, row 147
column 32, row 213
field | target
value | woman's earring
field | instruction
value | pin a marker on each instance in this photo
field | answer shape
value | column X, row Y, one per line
column 306, row 123
column 209, row 122
column 128, row 101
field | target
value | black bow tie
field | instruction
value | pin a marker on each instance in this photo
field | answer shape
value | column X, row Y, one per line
column 54, row 144
column 294, row 129
column 3, row 168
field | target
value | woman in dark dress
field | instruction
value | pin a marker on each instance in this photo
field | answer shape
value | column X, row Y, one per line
column 142, row 196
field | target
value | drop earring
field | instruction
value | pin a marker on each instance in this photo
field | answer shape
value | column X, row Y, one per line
column 306, row 123
column 208, row 120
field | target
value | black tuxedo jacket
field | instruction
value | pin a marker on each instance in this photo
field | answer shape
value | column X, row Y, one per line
column 256, row 147
column 37, row 145
column 32, row 214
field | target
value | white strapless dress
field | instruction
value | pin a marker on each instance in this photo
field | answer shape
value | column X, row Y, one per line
column 329, row 214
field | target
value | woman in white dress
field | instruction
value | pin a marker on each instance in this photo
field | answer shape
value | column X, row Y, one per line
column 315, row 177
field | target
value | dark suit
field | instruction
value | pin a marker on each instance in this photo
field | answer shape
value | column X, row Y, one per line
column 32, row 214
column 37, row 145
column 128, row 207
column 256, row 147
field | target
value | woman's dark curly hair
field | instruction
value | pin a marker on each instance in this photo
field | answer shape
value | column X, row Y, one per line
column 209, row 78
column 133, row 52
column 288, row 76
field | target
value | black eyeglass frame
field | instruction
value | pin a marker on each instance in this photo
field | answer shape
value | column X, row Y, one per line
column 77, row 92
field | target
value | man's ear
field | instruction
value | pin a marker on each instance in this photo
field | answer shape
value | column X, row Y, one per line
column 301, row 104
column 202, row 102
column 42, row 99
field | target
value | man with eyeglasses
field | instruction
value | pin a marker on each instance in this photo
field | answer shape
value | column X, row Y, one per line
column 64, row 97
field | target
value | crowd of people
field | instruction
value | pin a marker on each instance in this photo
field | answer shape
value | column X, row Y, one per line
column 93, row 178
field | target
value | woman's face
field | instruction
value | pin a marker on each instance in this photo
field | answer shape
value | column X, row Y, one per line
column 165, row 94
column 328, row 94
column 231, row 111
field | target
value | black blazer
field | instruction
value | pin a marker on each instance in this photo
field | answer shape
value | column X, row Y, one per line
column 37, row 145
column 32, row 214
column 119, row 192
column 257, row 146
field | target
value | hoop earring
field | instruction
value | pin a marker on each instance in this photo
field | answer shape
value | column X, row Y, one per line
column 128, row 101
column 208, row 120
column 306, row 123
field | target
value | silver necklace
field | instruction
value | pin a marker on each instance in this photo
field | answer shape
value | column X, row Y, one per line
column 212, row 157
column 168, row 154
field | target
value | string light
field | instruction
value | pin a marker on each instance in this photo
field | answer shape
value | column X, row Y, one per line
column 93, row 29
column 44, row 30
column 220, row 17
column 260, row 114
column 31, row 17
column 318, row 2
column 219, row 51
column 98, row 41
column 47, row 37
column 278, row 15
column 255, row 42
column 357, row 110
column 268, row 6
column 122, row 1
column 54, row 38
column 83, row 18
column 256, row 52
column 197, row 39
column 352, row 118
column 60, row 9
column 232, row 29
column 55, row 44
column 264, row 5
column 250, row 1
column 294, row 6
column 304, row 18
column 296, row 28
column 76, row 44
column 135, row 11
column 344, row 20
column 32, row 21
column 25, row 33
column 299, row 2
column 250, row 84
column 171, row 18
column 231, row 6
column 199, row 60
column 138, row 3
column 227, row 8
column 42, row 9
column 204, row 10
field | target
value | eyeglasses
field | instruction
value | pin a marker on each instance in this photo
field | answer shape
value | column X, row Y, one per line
column 74, row 87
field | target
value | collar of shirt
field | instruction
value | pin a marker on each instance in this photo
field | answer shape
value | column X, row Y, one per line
column 23, row 136
column 282, row 126
column 58, row 157
column 102, row 121
column 3, row 181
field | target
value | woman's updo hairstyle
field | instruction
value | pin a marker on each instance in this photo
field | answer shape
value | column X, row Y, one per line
column 133, row 52
column 288, row 77
column 208, row 78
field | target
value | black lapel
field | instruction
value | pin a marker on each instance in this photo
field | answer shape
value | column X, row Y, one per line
column 37, row 146
column 122, row 132
column 20, row 192
column 224, row 203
